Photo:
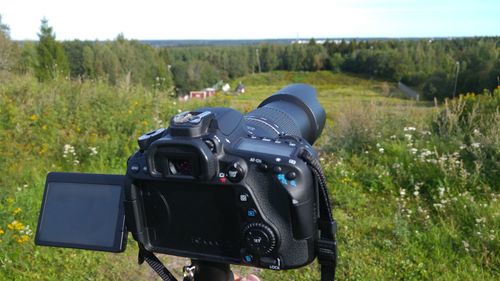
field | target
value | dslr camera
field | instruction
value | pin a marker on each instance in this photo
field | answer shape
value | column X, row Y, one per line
column 216, row 186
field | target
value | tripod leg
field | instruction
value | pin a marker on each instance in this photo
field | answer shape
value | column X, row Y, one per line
column 212, row 271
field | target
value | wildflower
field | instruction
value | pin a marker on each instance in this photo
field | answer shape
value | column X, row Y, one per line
column 33, row 118
column 10, row 200
column 179, row 111
column 68, row 150
column 393, row 137
column 415, row 193
column 476, row 132
column 476, row 145
column 408, row 129
column 76, row 162
column 408, row 137
column 93, row 150
column 438, row 205
column 26, row 230
column 428, row 133
column 413, row 150
column 402, row 192
column 466, row 245
column 396, row 166
column 1, row 231
column 21, row 239
column 15, row 225
column 16, row 211
column 480, row 220
column 381, row 150
column 463, row 146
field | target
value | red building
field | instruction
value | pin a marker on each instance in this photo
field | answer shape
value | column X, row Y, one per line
column 208, row 92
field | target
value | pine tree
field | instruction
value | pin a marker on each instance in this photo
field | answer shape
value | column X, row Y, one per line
column 52, row 61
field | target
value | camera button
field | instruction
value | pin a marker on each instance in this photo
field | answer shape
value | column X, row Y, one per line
column 244, row 197
column 263, row 167
column 251, row 213
column 277, row 169
column 291, row 175
column 269, row 261
column 247, row 258
column 135, row 168
column 235, row 172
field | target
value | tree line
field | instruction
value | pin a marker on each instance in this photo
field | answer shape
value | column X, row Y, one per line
column 436, row 68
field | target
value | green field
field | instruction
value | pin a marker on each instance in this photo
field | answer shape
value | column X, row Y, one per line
column 415, row 185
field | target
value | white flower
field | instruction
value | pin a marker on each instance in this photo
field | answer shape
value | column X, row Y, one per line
column 480, row 220
column 476, row 145
column 466, row 245
column 413, row 150
column 381, row 150
column 93, row 150
column 408, row 137
column 408, row 129
column 393, row 137
column 415, row 193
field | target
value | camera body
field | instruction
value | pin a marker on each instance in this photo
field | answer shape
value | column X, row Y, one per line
column 206, row 188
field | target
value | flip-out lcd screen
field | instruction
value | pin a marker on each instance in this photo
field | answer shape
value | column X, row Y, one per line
column 82, row 211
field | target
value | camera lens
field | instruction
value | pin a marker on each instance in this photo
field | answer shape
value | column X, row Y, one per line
column 293, row 110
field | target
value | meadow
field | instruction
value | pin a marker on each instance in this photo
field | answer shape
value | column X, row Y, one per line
column 415, row 185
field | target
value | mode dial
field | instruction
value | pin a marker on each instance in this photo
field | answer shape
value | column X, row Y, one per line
column 259, row 238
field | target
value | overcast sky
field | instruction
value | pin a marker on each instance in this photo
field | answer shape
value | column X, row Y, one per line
column 251, row 19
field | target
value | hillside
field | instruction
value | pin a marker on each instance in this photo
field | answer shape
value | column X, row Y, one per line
column 415, row 189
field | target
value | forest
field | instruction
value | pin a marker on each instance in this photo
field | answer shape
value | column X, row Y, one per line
column 434, row 67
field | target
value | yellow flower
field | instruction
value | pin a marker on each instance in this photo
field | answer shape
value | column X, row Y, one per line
column 1, row 231
column 34, row 117
column 10, row 200
column 16, row 211
column 21, row 239
column 15, row 225
column 44, row 127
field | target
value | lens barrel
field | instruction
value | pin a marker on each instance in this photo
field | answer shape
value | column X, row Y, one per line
column 293, row 110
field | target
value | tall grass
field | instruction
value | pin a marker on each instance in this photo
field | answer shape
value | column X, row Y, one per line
column 415, row 187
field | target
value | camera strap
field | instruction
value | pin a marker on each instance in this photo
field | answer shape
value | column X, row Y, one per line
column 326, row 246
column 154, row 263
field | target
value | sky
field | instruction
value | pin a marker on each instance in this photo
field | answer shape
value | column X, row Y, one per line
column 251, row 19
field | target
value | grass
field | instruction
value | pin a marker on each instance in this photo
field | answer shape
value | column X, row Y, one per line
column 415, row 186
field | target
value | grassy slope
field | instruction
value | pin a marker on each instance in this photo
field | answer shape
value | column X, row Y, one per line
column 384, row 232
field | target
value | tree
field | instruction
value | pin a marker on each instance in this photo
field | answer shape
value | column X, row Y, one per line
column 8, row 50
column 52, row 61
